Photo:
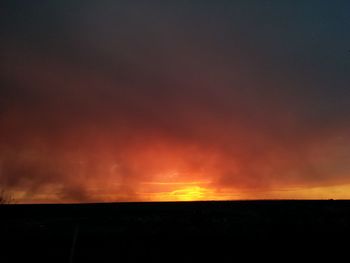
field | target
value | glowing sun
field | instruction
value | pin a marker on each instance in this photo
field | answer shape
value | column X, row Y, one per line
column 191, row 193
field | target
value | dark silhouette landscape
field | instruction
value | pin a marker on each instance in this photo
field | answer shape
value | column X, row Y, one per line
column 171, row 231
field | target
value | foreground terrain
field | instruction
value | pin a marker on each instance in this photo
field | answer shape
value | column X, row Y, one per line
column 181, row 232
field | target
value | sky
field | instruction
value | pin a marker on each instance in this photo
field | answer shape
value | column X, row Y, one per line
column 107, row 101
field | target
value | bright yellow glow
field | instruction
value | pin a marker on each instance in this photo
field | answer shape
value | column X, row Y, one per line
column 197, row 190
column 189, row 194
column 185, row 193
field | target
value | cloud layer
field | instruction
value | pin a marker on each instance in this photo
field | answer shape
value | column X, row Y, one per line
column 124, row 102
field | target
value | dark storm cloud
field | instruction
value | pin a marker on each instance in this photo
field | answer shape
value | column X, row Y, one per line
column 263, row 85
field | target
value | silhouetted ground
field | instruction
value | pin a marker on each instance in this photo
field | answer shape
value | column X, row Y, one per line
column 176, row 232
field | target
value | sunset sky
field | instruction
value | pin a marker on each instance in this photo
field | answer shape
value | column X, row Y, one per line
column 105, row 100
